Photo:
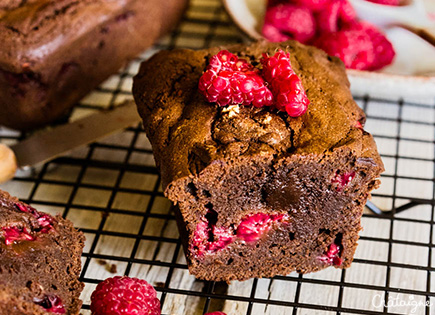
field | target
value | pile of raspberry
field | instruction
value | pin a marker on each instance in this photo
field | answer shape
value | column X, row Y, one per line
column 229, row 80
column 331, row 25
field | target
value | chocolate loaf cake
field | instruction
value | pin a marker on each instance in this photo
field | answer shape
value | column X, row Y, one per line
column 39, row 261
column 259, row 193
column 54, row 52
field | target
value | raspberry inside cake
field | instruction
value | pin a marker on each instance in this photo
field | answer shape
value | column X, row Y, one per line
column 258, row 192
column 39, row 261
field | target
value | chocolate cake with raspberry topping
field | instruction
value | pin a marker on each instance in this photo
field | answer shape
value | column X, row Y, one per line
column 39, row 261
column 261, row 189
column 54, row 52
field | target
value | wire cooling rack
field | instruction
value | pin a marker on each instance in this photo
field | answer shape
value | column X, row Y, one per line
column 111, row 191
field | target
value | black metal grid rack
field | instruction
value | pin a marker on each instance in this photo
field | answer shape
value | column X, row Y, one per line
column 111, row 190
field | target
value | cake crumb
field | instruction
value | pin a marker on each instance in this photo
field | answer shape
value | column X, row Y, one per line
column 112, row 268
column 268, row 119
column 232, row 110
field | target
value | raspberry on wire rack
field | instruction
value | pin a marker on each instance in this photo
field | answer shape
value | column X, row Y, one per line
column 125, row 296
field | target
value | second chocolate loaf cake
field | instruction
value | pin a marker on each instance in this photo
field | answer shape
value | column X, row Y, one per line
column 53, row 52
column 259, row 193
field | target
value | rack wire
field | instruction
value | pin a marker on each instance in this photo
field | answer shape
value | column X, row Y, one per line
column 111, row 191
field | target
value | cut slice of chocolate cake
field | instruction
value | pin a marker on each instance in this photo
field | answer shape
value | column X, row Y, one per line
column 268, row 188
column 39, row 261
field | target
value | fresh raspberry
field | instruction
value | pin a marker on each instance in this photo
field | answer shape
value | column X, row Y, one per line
column 51, row 303
column 382, row 47
column 229, row 80
column 124, row 296
column 273, row 34
column 335, row 15
column 286, row 86
column 327, row 19
column 313, row 5
column 387, row 2
column 272, row 3
column 209, row 238
column 14, row 234
column 254, row 226
column 353, row 47
column 347, row 13
column 292, row 21
column 359, row 45
column 342, row 180
column 226, row 61
column 332, row 255
column 330, row 25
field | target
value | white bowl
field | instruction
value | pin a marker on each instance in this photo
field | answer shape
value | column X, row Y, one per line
column 411, row 75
